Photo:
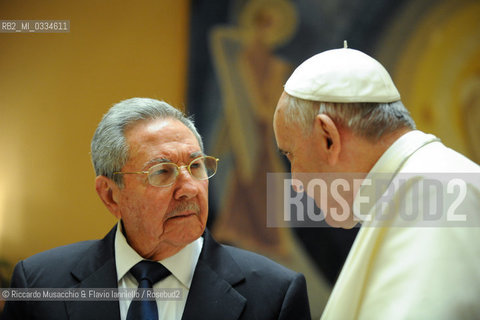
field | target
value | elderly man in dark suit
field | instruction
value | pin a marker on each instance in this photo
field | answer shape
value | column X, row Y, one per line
column 153, row 176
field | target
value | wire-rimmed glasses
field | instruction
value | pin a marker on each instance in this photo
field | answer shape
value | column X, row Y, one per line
column 164, row 174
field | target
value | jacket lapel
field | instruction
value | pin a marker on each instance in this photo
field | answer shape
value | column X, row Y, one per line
column 212, row 294
column 96, row 270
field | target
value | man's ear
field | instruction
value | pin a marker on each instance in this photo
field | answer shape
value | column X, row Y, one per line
column 331, row 137
column 107, row 191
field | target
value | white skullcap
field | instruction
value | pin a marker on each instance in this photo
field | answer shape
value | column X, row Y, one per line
column 342, row 75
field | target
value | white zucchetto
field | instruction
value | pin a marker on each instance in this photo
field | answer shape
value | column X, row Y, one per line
column 342, row 75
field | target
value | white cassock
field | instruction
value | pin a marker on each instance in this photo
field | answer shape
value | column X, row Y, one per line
column 408, row 266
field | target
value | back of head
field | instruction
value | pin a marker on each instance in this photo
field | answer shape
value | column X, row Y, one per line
column 351, row 87
column 109, row 149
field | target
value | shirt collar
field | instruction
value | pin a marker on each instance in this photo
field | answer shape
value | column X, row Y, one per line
column 392, row 160
column 182, row 264
column 387, row 166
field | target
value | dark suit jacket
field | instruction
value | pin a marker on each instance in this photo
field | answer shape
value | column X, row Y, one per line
column 228, row 283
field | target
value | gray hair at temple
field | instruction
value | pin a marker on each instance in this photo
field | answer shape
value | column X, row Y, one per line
column 369, row 120
column 109, row 149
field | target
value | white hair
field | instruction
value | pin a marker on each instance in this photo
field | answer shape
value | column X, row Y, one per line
column 369, row 120
column 109, row 149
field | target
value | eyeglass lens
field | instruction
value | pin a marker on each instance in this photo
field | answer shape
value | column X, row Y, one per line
column 164, row 174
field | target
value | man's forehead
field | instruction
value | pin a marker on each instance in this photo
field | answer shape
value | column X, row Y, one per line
column 165, row 124
column 158, row 129
column 281, row 109
column 164, row 135
column 279, row 119
column 167, row 158
column 281, row 131
column 161, row 124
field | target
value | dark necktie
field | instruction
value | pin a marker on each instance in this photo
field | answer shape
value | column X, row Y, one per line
column 147, row 274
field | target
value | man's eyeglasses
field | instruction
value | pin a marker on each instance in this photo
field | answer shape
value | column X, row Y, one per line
column 165, row 174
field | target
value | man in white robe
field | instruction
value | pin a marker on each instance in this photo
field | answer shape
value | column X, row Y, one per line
column 417, row 255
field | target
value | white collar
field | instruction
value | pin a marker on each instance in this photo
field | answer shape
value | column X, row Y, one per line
column 392, row 160
column 182, row 264
column 387, row 167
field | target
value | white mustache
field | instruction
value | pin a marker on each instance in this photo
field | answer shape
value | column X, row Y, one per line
column 184, row 206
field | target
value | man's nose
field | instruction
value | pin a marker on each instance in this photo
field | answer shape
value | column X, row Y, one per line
column 186, row 185
column 297, row 184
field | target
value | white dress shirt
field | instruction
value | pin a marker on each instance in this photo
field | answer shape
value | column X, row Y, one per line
column 182, row 266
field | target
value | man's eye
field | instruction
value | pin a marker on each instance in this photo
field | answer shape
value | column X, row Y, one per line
column 159, row 172
column 195, row 165
column 162, row 170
